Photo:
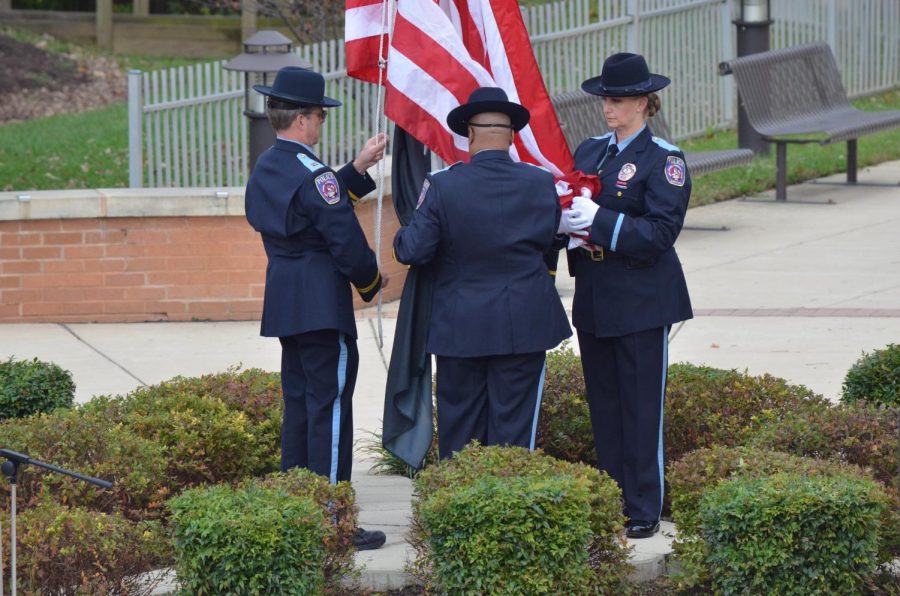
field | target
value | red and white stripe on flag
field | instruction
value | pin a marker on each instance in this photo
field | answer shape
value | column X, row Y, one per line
column 365, row 33
column 441, row 51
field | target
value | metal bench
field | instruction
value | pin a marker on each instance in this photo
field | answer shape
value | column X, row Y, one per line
column 581, row 116
column 795, row 95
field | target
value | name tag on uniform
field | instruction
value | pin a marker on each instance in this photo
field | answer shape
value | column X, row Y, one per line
column 625, row 174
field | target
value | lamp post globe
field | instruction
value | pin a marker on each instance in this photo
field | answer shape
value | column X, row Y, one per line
column 265, row 53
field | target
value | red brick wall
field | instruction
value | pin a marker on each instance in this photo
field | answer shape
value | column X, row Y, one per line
column 144, row 269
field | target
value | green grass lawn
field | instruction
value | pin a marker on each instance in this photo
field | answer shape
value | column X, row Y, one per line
column 90, row 150
column 83, row 150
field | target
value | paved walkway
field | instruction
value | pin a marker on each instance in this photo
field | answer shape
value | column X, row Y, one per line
column 797, row 290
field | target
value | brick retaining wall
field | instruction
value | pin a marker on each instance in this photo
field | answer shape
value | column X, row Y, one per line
column 142, row 267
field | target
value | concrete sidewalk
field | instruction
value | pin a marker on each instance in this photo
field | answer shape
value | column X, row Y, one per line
column 797, row 290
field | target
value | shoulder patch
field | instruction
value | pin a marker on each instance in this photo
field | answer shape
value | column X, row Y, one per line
column 444, row 169
column 328, row 188
column 311, row 164
column 675, row 170
column 422, row 194
column 603, row 136
column 665, row 144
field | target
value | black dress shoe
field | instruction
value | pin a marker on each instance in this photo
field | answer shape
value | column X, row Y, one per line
column 640, row 528
column 368, row 539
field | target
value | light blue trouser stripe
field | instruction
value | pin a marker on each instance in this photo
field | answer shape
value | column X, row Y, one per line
column 537, row 406
column 615, row 238
column 336, row 408
column 662, row 401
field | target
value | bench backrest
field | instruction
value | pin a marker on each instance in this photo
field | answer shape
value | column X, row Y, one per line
column 581, row 117
column 784, row 85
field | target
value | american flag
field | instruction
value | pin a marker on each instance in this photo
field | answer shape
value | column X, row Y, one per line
column 439, row 52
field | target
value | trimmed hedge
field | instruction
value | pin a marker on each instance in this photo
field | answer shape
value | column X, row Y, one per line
column 606, row 546
column 254, row 392
column 711, row 406
column 247, row 541
column 521, row 535
column 704, row 407
column 875, row 377
column 63, row 550
column 31, row 387
column 205, row 441
column 92, row 445
column 792, row 534
column 698, row 472
column 338, row 505
column 859, row 433
column 564, row 426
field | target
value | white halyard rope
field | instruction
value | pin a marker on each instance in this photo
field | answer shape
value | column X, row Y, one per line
column 380, row 119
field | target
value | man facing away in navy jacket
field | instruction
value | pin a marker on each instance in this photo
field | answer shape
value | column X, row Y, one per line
column 316, row 249
column 486, row 226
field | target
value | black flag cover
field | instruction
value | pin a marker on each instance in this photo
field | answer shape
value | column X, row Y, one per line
column 408, row 428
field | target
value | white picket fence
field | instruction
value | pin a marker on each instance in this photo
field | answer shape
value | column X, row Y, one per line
column 187, row 127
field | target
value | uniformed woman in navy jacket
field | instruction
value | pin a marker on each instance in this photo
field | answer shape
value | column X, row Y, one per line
column 629, row 285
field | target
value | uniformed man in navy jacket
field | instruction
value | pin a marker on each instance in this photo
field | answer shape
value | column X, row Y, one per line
column 486, row 226
column 630, row 287
column 316, row 249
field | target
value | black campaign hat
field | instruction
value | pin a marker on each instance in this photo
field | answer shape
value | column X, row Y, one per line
column 625, row 75
column 300, row 86
column 487, row 99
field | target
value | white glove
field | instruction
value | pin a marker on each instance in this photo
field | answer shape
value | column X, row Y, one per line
column 571, row 221
column 586, row 207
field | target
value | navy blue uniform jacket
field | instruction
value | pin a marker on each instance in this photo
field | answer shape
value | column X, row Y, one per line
column 486, row 226
column 315, row 245
column 642, row 285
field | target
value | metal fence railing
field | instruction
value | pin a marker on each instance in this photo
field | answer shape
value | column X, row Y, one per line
column 187, row 128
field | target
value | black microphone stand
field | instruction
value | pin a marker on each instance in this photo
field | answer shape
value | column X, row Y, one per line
column 10, row 469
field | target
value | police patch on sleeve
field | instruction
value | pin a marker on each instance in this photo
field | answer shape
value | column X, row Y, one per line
column 422, row 194
column 327, row 185
column 675, row 170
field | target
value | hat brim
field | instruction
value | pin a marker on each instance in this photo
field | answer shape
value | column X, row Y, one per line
column 595, row 86
column 458, row 118
column 325, row 101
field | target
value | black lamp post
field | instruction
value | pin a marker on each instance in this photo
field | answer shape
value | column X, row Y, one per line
column 265, row 53
column 754, row 19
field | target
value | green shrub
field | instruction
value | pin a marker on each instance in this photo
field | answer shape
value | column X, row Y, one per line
column 564, row 427
column 711, row 406
column 875, row 377
column 91, row 445
column 792, row 534
column 607, row 553
column 698, row 472
column 247, row 541
column 859, row 433
column 524, row 535
column 338, row 504
column 205, row 441
column 255, row 392
column 64, row 550
column 704, row 407
column 31, row 387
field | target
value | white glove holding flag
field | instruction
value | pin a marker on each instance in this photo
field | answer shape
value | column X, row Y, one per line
column 587, row 209
column 572, row 221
